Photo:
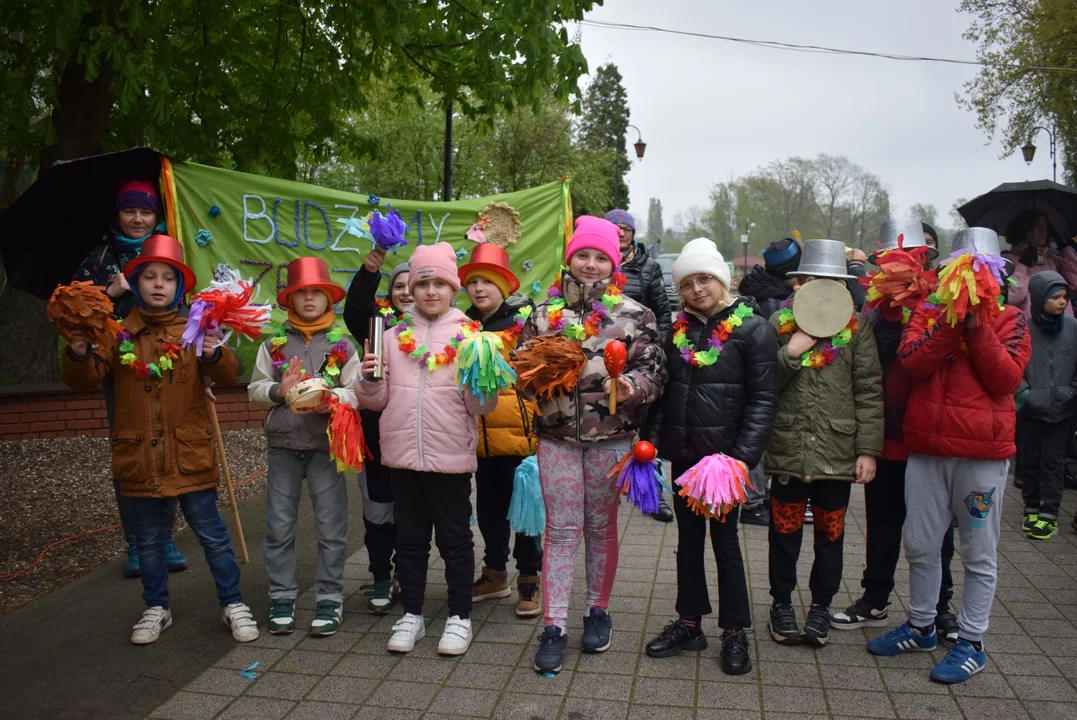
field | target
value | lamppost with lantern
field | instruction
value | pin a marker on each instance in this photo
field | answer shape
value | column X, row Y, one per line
column 1028, row 150
column 748, row 225
column 639, row 145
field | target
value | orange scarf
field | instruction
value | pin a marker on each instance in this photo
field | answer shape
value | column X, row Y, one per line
column 313, row 327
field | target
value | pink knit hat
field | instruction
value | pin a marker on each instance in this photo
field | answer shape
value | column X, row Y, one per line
column 595, row 233
column 433, row 261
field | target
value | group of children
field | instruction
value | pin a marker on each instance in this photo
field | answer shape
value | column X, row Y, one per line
column 934, row 401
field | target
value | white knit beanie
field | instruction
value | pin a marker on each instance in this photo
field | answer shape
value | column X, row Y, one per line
column 700, row 256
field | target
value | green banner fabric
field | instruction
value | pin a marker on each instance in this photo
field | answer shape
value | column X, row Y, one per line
column 257, row 225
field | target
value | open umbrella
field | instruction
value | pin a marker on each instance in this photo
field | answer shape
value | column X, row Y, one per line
column 997, row 208
column 51, row 228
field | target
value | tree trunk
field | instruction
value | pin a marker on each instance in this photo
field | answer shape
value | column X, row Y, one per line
column 80, row 119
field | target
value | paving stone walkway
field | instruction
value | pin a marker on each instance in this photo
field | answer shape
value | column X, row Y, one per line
column 1031, row 673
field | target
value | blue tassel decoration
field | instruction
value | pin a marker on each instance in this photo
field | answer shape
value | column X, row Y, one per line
column 527, row 510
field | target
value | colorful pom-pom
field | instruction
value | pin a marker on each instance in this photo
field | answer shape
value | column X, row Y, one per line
column 527, row 509
column 714, row 486
column 641, row 481
column 228, row 304
column 346, row 443
column 971, row 283
column 481, row 369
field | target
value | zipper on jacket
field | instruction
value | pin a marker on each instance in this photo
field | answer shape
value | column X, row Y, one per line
column 422, row 384
column 583, row 301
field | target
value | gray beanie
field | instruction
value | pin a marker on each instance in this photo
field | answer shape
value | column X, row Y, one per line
column 401, row 268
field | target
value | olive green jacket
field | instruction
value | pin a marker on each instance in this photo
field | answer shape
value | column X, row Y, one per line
column 827, row 417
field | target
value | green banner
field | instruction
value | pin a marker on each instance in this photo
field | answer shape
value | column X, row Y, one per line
column 257, row 225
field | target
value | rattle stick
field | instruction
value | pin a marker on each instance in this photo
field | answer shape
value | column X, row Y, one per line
column 615, row 356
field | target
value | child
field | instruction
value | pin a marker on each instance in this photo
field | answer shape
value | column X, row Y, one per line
column 725, row 405
column 361, row 305
column 884, row 497
column 309, row 345
column 429, row 436
column 1048, row 389
column 828, row 432
column 505, row 437
column 579, row 440
column 162, row 440
column 959, row 428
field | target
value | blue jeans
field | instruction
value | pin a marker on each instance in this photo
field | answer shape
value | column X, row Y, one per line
column 154, row 521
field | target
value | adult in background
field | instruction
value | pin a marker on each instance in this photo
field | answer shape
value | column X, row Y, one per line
column 1033, row 251
column 645, row 285
column 138, row 212
column 768, row 287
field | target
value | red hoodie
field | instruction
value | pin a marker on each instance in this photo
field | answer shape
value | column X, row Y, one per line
column 963, row 384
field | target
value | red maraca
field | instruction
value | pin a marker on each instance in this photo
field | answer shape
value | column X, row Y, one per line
column 615, row 356
column 644, row 452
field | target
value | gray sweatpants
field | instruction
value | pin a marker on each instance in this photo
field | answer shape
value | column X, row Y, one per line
column 936, row 490
column 328, row 491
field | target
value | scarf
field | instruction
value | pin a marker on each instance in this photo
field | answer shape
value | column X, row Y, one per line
column 311, row 328
column 135, row 244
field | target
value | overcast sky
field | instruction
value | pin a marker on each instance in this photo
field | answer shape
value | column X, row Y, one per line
column 710, row 110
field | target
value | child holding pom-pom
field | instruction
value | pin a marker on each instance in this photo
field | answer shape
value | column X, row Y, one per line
column 505, row 435
column 579, row 439
column 722, row 397
column 429, row 438
column 308, row 345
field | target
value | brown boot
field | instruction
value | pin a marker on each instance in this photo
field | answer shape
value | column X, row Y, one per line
column 529, row 600
column 491, row 584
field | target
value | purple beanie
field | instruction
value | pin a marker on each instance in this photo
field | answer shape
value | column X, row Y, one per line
column 621, row 217
column 596, row 234
column 138, row 194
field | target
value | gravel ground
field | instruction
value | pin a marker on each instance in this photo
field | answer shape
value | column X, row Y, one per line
column 56, row 488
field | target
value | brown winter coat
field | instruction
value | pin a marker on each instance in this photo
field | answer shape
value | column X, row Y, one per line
column 162, row 439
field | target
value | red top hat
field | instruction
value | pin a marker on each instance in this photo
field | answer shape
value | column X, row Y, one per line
column 162, row 249
column 309, row 272
column 487, row 256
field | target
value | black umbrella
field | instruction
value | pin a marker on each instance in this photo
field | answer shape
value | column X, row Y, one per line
column 47, row 233
column 996, row 209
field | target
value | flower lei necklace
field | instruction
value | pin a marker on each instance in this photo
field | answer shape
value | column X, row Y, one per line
column 336, row 360
column 593, row 320
column 518, row 323
column 831, row 349
column 703, row 358
column 405, row 338
column 143, row 370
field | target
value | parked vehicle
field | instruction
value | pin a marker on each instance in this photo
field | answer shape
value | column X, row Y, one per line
column 665, row 261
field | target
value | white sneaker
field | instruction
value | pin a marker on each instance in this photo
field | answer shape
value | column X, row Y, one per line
column 240, row 621
column 407, row 631
column 154, row 621
column 456, row 638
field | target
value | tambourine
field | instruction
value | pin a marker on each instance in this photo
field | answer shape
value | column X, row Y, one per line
column 822, row 307
column 306, row 395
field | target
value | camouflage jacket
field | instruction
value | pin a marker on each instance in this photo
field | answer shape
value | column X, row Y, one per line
column 584, row 414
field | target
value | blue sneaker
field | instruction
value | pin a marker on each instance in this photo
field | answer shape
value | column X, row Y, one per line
column 903, row 639
column 175, row 559
column 551, row 652
column 962, row 662
column 130, row 568
column 597, row 628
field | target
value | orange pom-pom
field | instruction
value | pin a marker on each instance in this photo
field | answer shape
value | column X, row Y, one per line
column 346, row 443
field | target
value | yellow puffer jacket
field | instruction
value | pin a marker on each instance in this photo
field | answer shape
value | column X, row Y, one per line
column 509, row 429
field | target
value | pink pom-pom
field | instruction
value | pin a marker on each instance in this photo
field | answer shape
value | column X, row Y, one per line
column 714, row 485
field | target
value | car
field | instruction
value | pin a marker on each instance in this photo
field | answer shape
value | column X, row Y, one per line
column 665, row 261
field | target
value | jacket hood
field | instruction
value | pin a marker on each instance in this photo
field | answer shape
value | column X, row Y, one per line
column 508, row 309
column 1038, row 286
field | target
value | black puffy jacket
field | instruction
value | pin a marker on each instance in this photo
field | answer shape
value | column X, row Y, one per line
column 767, row 292
column 728, row 407
column 644, row 284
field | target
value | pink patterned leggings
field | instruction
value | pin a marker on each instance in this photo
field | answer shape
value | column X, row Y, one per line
column 580, row 500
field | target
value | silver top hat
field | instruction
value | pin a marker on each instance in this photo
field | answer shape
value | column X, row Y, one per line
column 982, row 241
column 911, row 233
column 822, row 259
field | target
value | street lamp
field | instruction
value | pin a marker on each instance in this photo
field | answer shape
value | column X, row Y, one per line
column 748, row 225
column 639, row 145
column 1028, row 150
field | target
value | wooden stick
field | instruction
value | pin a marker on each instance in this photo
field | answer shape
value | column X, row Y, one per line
column 228, row 481
column 613, row 396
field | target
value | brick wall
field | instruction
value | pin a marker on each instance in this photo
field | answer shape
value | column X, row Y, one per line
column 44, row 411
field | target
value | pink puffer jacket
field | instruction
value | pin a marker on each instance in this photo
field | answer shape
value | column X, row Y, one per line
column 427, row 423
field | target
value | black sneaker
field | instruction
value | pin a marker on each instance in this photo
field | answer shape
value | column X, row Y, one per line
column 817, row 626
column 551, row 652
column 946, row 627
column 665, row 512
column 783, row 624
column 755, row 516
column 675, row 639
column 736, row 659
column 597, row 628
column 860, row 614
